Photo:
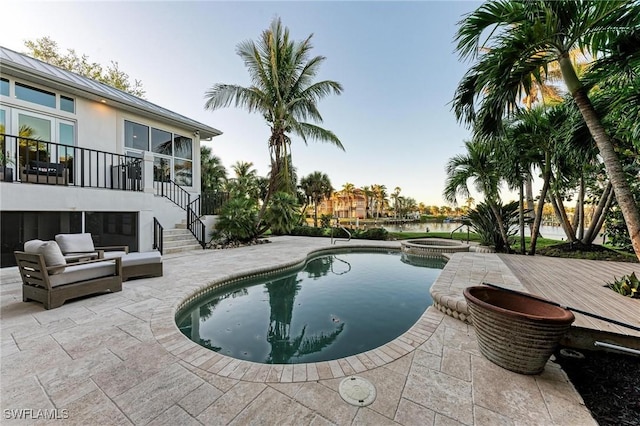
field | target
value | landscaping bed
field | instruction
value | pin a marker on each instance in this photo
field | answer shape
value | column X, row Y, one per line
column 591, row 252
column 609, row 384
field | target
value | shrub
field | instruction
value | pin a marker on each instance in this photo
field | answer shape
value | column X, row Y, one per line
column 282, row 213
column 308, row 231
column 325, row 220
column 237, row 220
column 628, row 285
column 484, row 223
column 372, row 234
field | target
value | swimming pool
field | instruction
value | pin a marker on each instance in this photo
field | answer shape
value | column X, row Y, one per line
column 338, row 304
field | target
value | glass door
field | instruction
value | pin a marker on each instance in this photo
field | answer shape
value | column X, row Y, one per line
column 67, row 137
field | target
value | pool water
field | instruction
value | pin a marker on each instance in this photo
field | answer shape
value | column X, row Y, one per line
column 337, row 305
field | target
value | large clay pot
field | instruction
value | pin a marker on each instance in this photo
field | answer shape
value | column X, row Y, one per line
column 515, row 331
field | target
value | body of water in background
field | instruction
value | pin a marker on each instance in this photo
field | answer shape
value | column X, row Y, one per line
column 551, row 232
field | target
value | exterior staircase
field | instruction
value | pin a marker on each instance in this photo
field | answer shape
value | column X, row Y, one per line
column 179, row 239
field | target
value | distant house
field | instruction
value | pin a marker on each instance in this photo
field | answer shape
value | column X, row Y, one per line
column 82, row 156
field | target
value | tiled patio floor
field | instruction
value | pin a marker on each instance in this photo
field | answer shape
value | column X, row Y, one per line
column 119, row 359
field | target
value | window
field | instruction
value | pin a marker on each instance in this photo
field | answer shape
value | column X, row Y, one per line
column 183, row 172
column 4, row 87
column 161, row 142
column 136, row 136
column 161, row 169
column 67, row 104
column 37, row 96
column 182, row 147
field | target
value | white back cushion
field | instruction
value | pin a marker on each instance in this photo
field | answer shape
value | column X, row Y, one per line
column 53, row 256
column 33, row 246
column 75, row 243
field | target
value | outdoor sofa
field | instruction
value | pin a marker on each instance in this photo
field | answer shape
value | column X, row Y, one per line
column 48, row 279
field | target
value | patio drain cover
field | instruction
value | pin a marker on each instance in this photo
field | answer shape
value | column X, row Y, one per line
column 357, row 391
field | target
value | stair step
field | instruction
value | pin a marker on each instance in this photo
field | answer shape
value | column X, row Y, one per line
column 190, row 247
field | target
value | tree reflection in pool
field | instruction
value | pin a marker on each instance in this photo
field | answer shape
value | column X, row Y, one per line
column 337, row 305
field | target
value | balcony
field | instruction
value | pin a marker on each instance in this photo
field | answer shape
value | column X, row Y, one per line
column 29, row 160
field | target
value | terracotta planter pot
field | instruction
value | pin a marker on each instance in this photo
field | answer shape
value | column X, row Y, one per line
column 514, row 331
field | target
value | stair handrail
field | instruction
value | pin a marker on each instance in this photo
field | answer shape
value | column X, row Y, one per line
column 158, row 235
column 194, row 224
column 174, row 192
column 337, row 239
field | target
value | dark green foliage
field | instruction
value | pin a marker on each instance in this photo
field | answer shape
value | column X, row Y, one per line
column 308, row 231
column 282, row 214
column 372, row 234
column 484, row 223
column 628, row 285
column 325, row 220
column 237, row 220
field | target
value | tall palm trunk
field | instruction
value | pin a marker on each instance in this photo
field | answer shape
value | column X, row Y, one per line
column 606, row 199
column 546, row 178
column 521, row 218
column 611, row 161
column 503, row 231
column 530, row 203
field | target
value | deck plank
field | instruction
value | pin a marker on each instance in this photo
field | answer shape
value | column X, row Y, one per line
column 580, row 284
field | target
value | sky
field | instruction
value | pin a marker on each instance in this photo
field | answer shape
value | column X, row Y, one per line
column 395, row 60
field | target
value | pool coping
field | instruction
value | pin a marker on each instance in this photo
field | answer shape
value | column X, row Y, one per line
column 168, row 335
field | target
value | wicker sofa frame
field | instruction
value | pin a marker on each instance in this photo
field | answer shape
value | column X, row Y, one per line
column 36, row 285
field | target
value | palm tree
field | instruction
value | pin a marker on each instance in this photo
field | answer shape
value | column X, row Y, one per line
column 283, row 92
column 480, row 165
column 525, row 36
column 213, row 174
column 368, row 198
column 348, row 190
column 245, row 183
column 395, row 195
column 316, row 187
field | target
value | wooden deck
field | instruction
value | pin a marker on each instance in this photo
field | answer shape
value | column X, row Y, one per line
column 580, row 284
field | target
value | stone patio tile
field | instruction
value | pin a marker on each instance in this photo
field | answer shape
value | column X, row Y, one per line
column 299, row 372
column 435, row 343
column 410, row 413
column 389, row 386
column 174, row 416
column 440, row 392
column 289, row 389
column 456, row 363
column 222, row 383
column 273, row 408
column 326, row 402
column 446, row 421
column 484, row 417
column 514, row 395
column 71, row 311
column 76, row 345
column 312, row 372
column 287, row 374
column 462, row 340
column 142, row 309
column 95, row 409
column 275, row 373
column 562, row 400
column 366, row 416
column 196, row 401
column 25, row 337
column 30, row 361
column 228, row 406
column 138, row 365
column 346, row 367
column 144, row 401
column 240, row 370
column 366, row 361
column 336, row 370
column 23, row 392
column 71, row 380
column 401, row 365
column 138, row 329
column 324, row 370
column 426, row 359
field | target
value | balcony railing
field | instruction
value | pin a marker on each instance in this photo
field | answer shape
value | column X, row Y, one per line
column 212, row 201
column 37, row 161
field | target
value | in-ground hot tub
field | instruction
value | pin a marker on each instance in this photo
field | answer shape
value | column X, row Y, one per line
column 431, row 246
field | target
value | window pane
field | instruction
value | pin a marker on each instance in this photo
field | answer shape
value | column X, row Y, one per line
column 3, row 121
column 182, row 147
column 183, row 172
column 37, row 96
column 136, row 136
column 67, row 104
column 161, row 142
column 161, row 169
column 65, row 155
column 34, row 127
column 4, row 87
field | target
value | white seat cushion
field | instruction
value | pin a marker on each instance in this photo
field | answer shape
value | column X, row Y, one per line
column 144, row 258
column 33, row 246
column 77, row 273
column 75, row 243
column 114, row 254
